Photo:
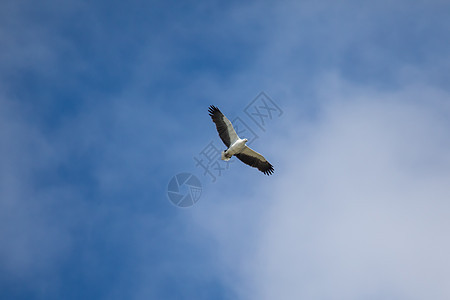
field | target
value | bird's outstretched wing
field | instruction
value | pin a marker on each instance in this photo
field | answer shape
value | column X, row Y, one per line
column 254, row 159
column 223, row 125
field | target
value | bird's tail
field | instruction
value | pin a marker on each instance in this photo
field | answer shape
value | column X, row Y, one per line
column 224, row 156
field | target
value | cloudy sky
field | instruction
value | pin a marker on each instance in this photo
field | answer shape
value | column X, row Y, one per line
column 103, row 102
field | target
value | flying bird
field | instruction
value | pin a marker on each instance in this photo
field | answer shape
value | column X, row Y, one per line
column 236, row 146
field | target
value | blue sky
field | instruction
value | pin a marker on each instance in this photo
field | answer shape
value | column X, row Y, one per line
column 102, row 102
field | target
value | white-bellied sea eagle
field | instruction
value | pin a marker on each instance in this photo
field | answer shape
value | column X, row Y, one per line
column 236, row 146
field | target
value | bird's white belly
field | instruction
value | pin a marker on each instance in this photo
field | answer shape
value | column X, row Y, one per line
column 235, row 148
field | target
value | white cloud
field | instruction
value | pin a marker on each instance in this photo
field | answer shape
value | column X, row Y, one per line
column 361, row 211
column 359, row 207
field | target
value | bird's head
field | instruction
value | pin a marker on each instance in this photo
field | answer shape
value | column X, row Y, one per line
column 245, row 140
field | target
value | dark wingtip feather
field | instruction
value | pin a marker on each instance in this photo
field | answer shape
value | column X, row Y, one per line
column 212, row 110
column 269, row 170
